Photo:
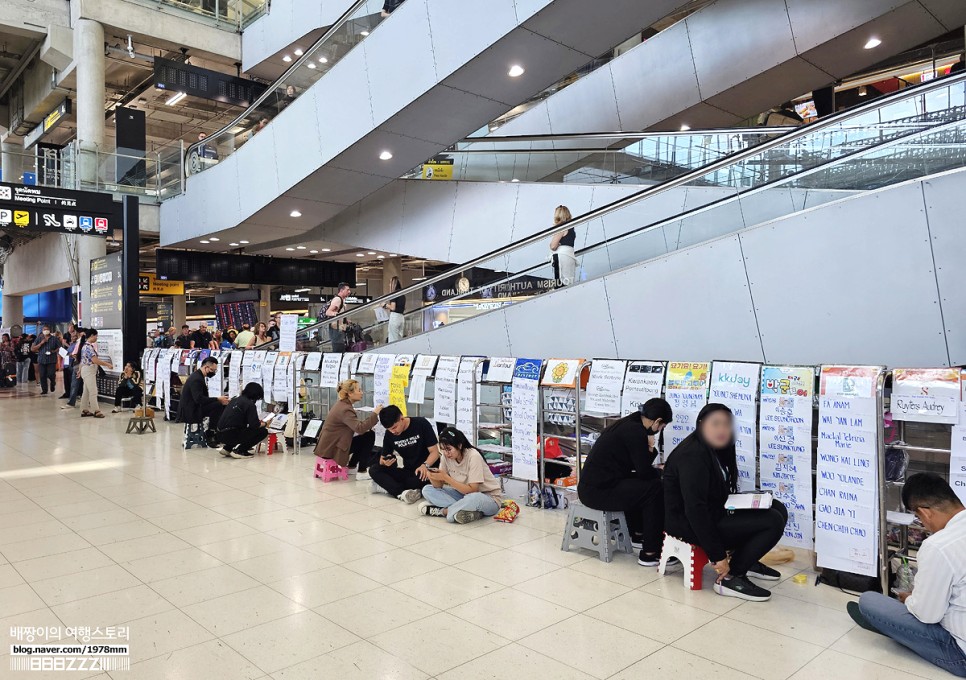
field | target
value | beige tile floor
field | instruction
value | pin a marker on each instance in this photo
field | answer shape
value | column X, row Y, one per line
column 253, row 569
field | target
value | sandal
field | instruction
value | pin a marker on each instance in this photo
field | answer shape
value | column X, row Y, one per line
column 86, row 414
column 98, row 414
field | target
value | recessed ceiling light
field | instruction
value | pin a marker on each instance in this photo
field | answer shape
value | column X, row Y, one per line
column 393, row 255
column 514, row 180
column 291, row 250
column 314, row 252
column 302, row 290
column 685, row 127
column 233, row 245
column 380, row 257
column 323, row 60
column 873, row 42
column 176, row 98
column 363, row 33
column 360, row 254
column 326, row 250
column 295, row 213
column 862, row 91
column 300, row 247
column 385, row 155
column 205, row 241
column 371, row 252
column 244, row 243
column 286, row 59
column 213, row 239
column 298, row 52
column 516, row 71
column 310, row 65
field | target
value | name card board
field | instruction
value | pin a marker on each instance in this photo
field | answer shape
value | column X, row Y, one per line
column 736, row 386
column 957, row 458
column 643, row 381
column 561, row 372
column 382, row 375
column 847, row 487
column 926, row 395
column 604, row 386
column 500, row 369
column 444, row 389
column 525, row 402
column 686, row 389
column 330, row 370
column 313, row 361
column 425, row 365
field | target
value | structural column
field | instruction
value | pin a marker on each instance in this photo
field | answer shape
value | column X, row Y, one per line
column 264, row 304
column 12, row 311
column 180, row 315
column 88, row 248
column 11, row 162
column 89, row 55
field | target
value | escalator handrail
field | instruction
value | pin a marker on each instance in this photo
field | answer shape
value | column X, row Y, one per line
column 801, row 131
column 629, row 135
column 273, row 88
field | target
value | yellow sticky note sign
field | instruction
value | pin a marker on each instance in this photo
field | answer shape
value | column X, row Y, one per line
column 397, row 387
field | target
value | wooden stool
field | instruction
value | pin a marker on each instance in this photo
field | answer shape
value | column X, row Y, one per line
column 597, row 530
column 691, row 556
column 140, row 425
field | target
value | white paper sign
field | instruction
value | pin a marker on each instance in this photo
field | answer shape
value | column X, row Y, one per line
column 348, row 367
column 425, row 365
column 736, row 386
column 525, row 401
column 926, row 395
column 367, row 364
column 330, row 370
column 313, row 360
column 604, row 386
column 287, row 330
column 643, row 381
column 382, row 374
column 500, row 369
column 466, row 399
column 417, row 388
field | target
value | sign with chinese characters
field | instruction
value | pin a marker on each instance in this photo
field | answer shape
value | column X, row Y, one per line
column 36, row 208
column 150, row 284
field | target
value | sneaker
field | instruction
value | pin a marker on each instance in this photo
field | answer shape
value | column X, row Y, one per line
column 363, row 476
column 226, row 452
column 763, row 573
column 67, row 406
column 431, row 510
column 116, row 410
column 741, row 587
column 241, row 454
column 853, row 610
column 411, row 496
column 673, row 566
column 649, row 559
column 467, row 516
column 375, row 488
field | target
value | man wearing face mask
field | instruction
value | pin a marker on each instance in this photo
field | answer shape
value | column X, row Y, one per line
column 196, row 405
column 46, row 348
column 619, row 476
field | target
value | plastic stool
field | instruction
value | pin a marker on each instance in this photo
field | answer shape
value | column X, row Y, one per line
column 596, row 530
column 272, row 443
column 691, row 556
column 194, row 435
column 328, row 469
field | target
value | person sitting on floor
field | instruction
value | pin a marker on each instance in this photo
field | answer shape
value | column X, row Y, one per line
column 414, row 439
column 698, row 477
column 196, row 405
column 931, row 620
column 239, row 428
column 337, row 439
column 619, row 476
column 463, row 489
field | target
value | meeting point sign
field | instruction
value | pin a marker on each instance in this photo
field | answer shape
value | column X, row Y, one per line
column 33, row 208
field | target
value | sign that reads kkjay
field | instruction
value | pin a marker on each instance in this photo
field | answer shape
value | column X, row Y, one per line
column 34, row 208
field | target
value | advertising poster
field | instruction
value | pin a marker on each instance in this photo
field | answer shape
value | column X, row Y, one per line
column 785, row 443
column 926, row 395
column 847, row 486
column 686, row 389
column 736, row 386
column 525, row 402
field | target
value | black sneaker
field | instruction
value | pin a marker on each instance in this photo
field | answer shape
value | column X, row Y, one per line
column 649, row 559
column 431, row 510
column 763, row 573
column 853, row 609
column 741, row 587
column 241, row 454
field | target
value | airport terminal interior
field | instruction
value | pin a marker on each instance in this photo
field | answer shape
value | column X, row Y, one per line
column 442, row 339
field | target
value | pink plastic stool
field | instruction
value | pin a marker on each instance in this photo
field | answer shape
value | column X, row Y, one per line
column 691, row 556
column 328, row 469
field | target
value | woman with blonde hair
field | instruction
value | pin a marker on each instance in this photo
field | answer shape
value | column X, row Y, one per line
column 562, row 248
column 345, row 438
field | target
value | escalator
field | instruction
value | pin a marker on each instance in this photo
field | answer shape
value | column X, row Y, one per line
column 752, row 274
column 374, row 97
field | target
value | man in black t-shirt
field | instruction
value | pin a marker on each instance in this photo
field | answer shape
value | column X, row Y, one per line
column 414, row 439
column 201, row 338
column 184, row 340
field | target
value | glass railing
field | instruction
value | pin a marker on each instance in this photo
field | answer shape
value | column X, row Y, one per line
column 916, row 132
column 154, row 176
column 231, row 14
column 346, row 33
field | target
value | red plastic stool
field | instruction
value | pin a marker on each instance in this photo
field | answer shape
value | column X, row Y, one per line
column 327, row 469
column 691, row 556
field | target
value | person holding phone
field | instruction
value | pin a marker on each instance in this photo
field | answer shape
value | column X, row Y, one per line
column 414, row 439
column 619, row 475
column 239, row 428
column 463, row 489
column 698, row 477
column 342, row 424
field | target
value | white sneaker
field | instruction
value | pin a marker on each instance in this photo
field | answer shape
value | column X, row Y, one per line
column 375, row 488
column 363, row 476
column 224, row 451
column 411, row 496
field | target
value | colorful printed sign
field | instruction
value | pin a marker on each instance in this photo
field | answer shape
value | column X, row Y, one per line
column 561, row 372
column 686, row 389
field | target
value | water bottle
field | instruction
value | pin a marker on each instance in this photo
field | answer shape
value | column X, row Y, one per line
column 904, row 577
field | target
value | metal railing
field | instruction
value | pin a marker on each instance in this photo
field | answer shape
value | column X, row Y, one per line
column 231, row 14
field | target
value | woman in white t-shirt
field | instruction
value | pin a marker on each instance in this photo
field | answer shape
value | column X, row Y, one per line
column 463, row 489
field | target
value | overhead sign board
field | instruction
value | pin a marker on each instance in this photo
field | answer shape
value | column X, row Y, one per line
column 318, row 299
column 51, row 120
column 438, row 168
column 150, row 284
column 36, row 208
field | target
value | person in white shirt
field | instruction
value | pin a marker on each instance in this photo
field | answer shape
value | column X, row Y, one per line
column 931, row 620
column 462, row 489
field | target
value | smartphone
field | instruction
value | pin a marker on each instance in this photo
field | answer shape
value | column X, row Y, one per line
column 433, row 469
column 269, row 417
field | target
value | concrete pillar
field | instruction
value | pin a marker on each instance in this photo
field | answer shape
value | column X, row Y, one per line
column 89, row 55
column 391, row 266
column 265, row 304
column 180, row 314
column 88, row 248
column 12, row 310
column 11, row 162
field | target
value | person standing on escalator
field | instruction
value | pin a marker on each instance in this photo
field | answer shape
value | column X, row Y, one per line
column 562, row 248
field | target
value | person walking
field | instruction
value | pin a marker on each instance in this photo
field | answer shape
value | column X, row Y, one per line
column 22, row 356
column 47, row 348
column 89, row 362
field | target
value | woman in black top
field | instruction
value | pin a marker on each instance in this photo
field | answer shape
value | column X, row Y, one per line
column 562, row 248
column 239, row 428
column 698, row 476
column 397, row 310
column 619, row 476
